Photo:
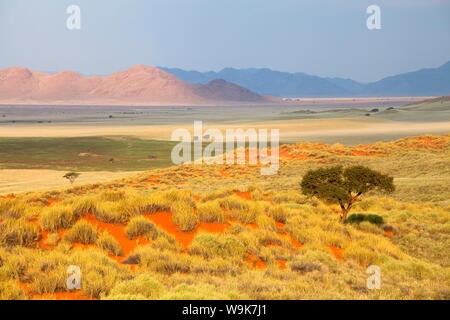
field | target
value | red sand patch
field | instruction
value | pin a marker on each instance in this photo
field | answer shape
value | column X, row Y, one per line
column 51, row 202
column 164, row 221
column 337, row 252
column 250, row 225
column 279, row 225
column 118, row 232
column 8, row 197
column 152, row 182
column 281, row 264
column 244, row 195
column 212, row 227
column 72, row 295
column 41, row 243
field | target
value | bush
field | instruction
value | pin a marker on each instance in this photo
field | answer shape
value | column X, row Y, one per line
column 13, row 210
column 234, row 202
column 108, row 243
column 279, row 213
column 356, row 218
column 265, row 222
column 113, row 195
column 374, row 218
column 18, row 232
column 84, row 205
column 211, row 212
column 139, row 226
column 151, row 205
column 143, row 286
column 359, row 217
column 209, row 245
column 183, row 216
column 11, row 290
column 56, row 217
column 82, row 232
column 112, row 212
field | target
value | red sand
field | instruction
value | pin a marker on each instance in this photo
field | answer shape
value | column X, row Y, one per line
column 164, row 221
column 118, row 232
column 337, row 252
column 282, row 263
column 244, row 195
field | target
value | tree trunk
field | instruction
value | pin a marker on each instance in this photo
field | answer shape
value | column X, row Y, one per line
column 344, row 214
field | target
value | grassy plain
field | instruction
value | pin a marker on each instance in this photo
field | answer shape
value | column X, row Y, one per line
column 226, row 232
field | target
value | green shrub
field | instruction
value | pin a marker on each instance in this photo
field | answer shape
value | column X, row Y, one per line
column 374, row 218
column 359, row 217
column 356, row 218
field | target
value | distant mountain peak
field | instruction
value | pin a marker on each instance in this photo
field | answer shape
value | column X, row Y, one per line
column 264, row 81
column 138, row 84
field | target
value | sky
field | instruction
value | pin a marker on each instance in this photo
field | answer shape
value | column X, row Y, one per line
column 319, row 37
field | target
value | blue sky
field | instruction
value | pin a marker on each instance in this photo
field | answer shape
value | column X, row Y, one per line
column 320, row 37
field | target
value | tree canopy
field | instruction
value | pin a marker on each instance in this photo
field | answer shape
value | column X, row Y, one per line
column 344, row 186
column 71, row 176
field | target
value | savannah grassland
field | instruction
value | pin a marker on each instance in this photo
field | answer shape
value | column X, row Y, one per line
column 227, row 232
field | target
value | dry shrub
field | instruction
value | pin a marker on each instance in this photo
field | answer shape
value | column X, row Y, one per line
column 211, row 212
column 141, row 287
column 82, row 232
column 56, row 217
column 209, row 245
column 184, row 216
column 139, row 226
column 18, row 233
column 113, row 212
column 108, row 243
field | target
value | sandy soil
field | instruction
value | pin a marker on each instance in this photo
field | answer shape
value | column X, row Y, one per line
column 290, row 130
column 24, row 180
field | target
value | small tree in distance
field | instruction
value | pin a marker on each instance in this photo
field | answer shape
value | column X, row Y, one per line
column 344, row 186
column 71, row 176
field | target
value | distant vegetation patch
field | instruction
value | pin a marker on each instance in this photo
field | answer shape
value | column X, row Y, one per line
column 85, row 153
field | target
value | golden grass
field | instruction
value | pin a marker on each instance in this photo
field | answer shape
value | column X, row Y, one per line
column 18, row 232
column 267, row 229
column 211, row 212
column 82, row 232
column 139, row 226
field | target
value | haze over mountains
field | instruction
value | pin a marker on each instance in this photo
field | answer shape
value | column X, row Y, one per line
column 137, row 85
column 425, row 82
column 145, row 85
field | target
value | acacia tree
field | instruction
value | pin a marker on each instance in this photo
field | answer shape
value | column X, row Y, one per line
column 344, row 186
column 71, row 176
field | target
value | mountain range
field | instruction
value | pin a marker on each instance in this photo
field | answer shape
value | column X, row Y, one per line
column 139, row 85
column 425, row 82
